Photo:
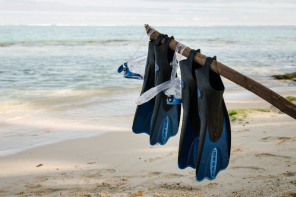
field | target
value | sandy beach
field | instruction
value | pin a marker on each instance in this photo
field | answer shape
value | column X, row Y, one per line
column 66, row 113
column 124, row 164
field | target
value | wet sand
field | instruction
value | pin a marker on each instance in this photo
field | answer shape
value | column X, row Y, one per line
column 121, row 163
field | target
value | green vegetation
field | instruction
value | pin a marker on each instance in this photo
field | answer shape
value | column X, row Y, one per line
column 234, row 114
column 291, row 98
column 261, row 109
column 290, row 76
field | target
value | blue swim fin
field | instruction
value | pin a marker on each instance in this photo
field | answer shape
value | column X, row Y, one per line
column 166, row 117
column 189, row 137
column 143, row 115
column 215, row 133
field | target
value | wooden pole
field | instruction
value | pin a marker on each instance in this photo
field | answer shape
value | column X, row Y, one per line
column 260, row 90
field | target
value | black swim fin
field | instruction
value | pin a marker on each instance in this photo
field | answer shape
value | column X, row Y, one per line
column 143, row 115
column 165, row 118
column 215, row 133
column 189, row 137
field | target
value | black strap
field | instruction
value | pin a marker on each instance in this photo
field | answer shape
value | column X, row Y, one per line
column 167, row 41
column 207, row 65
column 158, row 39
column 191, row 55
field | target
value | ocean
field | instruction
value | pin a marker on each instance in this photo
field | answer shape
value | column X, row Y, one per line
column 61, row 82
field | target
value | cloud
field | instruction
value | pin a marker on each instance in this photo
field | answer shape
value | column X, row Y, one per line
column 138, row 12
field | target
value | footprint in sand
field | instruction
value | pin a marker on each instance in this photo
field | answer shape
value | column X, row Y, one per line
column 279, row 140
column 154, row 174
column 282, row 140
column 95, row 175
column 67, row 175
column 173, row 175
column 271, row 155
column 235, row 150
column 45, row 191
column 289, row 174
column 266, row 139
column 247, row 167
column 289, row 194
column 177, row 186
column 212, row 185
column 90, row 175
column 160, row 157
column 42, row 178
column 32, row 186
column 107, row 171
column 87, row 176
column 20, row 193
column 242, row 131
column 3, row 191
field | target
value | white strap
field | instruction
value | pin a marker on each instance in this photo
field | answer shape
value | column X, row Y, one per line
column 171, row 87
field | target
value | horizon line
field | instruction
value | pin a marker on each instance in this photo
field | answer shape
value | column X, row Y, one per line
column 85, row 25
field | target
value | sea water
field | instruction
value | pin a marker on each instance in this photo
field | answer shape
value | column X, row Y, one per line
column 61, row 82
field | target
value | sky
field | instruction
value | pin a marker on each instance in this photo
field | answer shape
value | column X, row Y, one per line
column 153, row 12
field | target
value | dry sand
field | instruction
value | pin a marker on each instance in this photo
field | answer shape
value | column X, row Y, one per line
column 263, row 163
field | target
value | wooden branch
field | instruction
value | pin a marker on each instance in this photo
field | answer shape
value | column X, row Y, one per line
column 260, row 90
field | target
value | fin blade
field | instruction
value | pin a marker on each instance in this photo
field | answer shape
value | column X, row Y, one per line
column 215, row 156
column 166, row 124
column 142, row 120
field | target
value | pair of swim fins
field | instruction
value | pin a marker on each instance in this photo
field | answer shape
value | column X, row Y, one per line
column 156, row 117
column 205, row 134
